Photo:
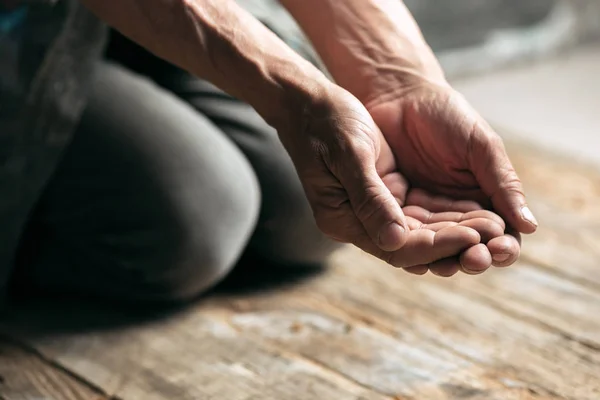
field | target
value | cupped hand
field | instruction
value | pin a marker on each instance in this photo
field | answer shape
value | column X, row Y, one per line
column 500, row 246
column 352, row 182
column 442, row 145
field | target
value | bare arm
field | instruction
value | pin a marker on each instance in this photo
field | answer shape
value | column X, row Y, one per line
column 222, row 43
column 340, row 154
column 366, row 43
column 374, row 49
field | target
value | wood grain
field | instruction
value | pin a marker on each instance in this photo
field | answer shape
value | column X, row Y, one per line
column 196, row 355
column 565, row 196
column 363, row 330
column 424, row 335
column 25, row 376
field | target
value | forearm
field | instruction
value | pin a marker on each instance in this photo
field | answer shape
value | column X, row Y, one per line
column 220, row 42
column 367, row 43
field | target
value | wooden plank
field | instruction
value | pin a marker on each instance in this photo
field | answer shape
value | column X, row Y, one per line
column 363, row 330
column 565, row 197
column 407, row 365
column 563, row 184
column 528, row 291
column 25, row 376
column 194, row 355
column 569, row 253
column 432, row 317
column 362, row 326
column 506, row 320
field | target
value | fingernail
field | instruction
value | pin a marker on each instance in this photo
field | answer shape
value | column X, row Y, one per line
column 390, row 237
column 528, row 215
column 501, row 257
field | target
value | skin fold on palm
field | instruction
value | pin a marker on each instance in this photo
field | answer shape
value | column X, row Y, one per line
column 442, row 145
column 355, row 186
column 479, row 237
column 447, row 151
column 495, row 243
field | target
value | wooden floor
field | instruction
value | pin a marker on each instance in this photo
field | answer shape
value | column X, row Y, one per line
column 359, row 330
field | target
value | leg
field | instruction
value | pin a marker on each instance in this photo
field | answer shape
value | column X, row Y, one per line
column 151, row 201
column 286, row 231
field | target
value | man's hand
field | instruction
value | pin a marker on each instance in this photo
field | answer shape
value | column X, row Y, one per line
column 375, row 50
column 443, row 146
column 352, row 181
column 345, row 164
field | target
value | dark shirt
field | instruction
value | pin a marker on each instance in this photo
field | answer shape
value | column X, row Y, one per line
column 43, row 82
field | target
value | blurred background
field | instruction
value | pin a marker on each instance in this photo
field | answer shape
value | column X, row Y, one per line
column 461, row 23
column 531, row 67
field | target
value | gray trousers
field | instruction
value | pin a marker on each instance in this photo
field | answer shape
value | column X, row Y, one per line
column 162, row 190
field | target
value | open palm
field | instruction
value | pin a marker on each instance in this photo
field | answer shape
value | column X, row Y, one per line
column 442, row 146
column 438, row 216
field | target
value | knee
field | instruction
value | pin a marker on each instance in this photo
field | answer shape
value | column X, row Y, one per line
column 172, row 257
column 205, row 248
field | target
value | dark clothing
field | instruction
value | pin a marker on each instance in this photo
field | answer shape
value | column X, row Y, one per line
column 166, row 181
column 45, row 70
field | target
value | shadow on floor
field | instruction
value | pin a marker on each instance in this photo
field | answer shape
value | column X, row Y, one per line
column 51, row 314
column 253, row 274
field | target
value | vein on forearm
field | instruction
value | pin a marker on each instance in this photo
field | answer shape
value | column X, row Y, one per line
column 365, row 43
column 218, row 41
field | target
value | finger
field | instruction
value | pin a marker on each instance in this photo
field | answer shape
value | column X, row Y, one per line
column 497, row 177
column 476, row 260
column 428, row 218
column 374, row 205
column 336, row 219
column 460, row 217
column 418, row 213
column 445, row 268
column 397, row 185
column 425, row 247
column 486, row 228
column 418, row 270
column 433, row 203
column 438, row 226
column 505, row 249
column 415, row 224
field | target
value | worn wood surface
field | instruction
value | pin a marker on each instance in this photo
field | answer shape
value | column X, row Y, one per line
column 27, row 376
column 359, row 330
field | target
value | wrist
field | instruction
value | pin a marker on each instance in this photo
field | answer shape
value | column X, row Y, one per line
column 399, row 74
column 254, row 65
column 392, row 61
column 371, row 47
column 287, row 92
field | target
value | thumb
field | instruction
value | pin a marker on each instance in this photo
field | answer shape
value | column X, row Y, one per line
column 374, row 205
column 498, row 179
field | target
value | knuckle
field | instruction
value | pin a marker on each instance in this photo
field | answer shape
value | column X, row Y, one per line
column 482, row 139
column 509, row 181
